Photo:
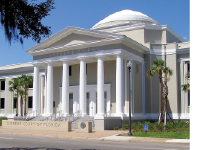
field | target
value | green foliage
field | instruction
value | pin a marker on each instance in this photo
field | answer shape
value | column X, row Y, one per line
column 171, row 126
column 174, row 135
column 124, row 126
column 22, row 19
column 2, row 118
column 116, row 128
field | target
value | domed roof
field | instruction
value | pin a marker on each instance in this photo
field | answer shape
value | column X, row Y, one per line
column 126, row 15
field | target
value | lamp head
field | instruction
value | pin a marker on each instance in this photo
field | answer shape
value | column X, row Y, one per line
column 129, row 64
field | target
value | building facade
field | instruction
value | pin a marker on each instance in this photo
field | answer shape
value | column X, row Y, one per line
column 85, row 70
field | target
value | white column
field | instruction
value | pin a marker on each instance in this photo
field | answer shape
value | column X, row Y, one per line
column 42, row 94
column 125, row 87
column 36, row 89
column 143, row 88
column 45, row 100
column 119, row 85
column 132, row 85
column 82, row 87
column 49, row 88
column 65, row 88
column 100, row 86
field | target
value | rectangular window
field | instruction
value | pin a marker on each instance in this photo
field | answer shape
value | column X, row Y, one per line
column 14, row 103
column 30, row 102
column 2, row 103
column 54, row 104
column 2, row 86
column 70, row 70
column 30, row 85
column 189, row 98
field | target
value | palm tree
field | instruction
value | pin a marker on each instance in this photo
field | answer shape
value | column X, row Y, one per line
column 21, row 94
column 157, row 68
column 14, row 87
column 26, row 81
column 167, row 73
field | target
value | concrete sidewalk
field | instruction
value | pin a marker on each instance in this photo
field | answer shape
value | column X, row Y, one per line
column 106, row 135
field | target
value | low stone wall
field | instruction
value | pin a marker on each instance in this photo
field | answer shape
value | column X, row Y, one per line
column 37, row 125
column 85, row 127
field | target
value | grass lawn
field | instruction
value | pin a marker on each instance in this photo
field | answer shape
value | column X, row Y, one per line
column 174, row 135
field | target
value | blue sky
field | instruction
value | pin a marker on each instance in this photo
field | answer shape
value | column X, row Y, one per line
column 86, row 13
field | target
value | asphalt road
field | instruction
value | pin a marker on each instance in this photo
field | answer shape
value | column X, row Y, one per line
column 18, row 142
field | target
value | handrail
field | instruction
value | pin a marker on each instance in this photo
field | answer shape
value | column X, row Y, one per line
column 108, row 114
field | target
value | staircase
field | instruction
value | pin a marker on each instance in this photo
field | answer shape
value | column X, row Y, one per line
column 39, row 118
column 83, row 119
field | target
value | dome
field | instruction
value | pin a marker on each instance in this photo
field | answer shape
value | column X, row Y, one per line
column 125, row 15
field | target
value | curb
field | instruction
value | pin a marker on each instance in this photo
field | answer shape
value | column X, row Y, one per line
column 116, row 138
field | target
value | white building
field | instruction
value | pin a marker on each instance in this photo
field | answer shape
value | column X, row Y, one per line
column 86, row 69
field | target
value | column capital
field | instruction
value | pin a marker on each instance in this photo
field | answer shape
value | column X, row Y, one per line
column 100, row 56
column 82, row 58
column 36, row 64
column 65, row 61
column 120, row 55
column 49, row 62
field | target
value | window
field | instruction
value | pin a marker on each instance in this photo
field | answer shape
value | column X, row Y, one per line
column 14, row 103
column 2, row 103
column 86, row 69
column 30, row 102
column 30, row 85
column 2, row 84
column 70, row 70
column 189, row 98
column 54, row 104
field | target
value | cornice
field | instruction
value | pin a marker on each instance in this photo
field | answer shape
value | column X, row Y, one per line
column 168, row 51
column 127, row 26
column 70, row 30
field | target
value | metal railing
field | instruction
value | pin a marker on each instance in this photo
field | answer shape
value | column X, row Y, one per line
column 108, row 114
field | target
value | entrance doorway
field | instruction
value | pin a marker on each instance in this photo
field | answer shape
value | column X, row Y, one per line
column 70, row 103
column 105, row 102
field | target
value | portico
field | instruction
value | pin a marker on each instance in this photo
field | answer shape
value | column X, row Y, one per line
column 91, row 99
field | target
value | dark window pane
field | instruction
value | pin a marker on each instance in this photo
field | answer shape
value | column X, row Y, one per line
column 14, row 103
column 54, row 104
column 70, row 70
column 2, row 103
column 30, row 102
column 30, row 85
column 2, row 85
column 189, row 98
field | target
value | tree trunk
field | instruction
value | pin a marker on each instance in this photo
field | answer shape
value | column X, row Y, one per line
column 25, row 103
column 160, row 98
column 165, row 94
column 17, row 104
column 21, row 106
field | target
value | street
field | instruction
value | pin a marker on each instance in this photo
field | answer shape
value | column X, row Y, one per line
column 10, row 141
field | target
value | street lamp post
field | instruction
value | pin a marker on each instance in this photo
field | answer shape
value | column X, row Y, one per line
column 129, row 65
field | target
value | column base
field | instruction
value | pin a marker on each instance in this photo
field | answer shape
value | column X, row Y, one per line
column 65, row 114
column 99, row 116
column 120, row 115
column 83, row 114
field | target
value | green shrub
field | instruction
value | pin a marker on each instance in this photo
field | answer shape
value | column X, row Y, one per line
column 125, row 126
column 171, row 126
column 2, row 118
column 116, row 128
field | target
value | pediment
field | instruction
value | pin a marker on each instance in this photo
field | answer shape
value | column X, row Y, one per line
column 74, row 38
column 71, row 36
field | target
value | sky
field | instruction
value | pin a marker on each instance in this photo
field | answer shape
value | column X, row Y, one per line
column 86, row 13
